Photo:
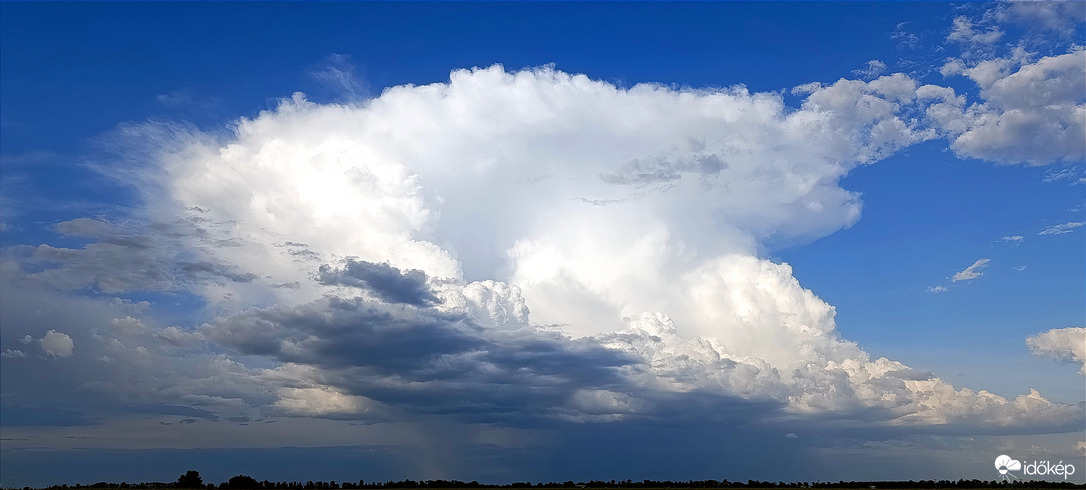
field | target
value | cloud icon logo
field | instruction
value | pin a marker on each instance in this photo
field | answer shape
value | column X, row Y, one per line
column 1004, row 463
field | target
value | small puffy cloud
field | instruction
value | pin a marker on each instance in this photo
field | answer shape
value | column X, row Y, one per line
column 131, row 306
column 178, row 337
column 1060, row 229
column 1065, row 344
column 128, row 325
column 1031, row 112
column 26, row 339
column 937, row 289
column 972, row 272
column 1013, row 238
column 13, row 353
column 953, row 66
column 56, row 344
column 963, row 32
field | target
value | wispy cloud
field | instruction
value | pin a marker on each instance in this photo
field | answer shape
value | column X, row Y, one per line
column 187, row 100
column 906, row 40
column 1062, row 228
column 1072, row 173
column 29, row 158
column 339, row 73
column 972, row 272
column 871, row 69
column 963, row 32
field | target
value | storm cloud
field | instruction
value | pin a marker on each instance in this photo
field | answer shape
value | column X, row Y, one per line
column 515, row 259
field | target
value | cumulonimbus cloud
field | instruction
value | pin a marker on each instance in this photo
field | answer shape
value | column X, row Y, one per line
column 593, row 250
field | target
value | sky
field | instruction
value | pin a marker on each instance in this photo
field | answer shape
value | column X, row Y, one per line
column 541, row 241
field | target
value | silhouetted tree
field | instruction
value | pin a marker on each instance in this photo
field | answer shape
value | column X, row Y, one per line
column 241, row 482
column 191, row 479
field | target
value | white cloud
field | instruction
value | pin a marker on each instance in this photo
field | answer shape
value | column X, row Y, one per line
column 939, row 403
column 1060, row 229
column 972, row 272
column 1060, row 17
column 588, row 312
column 843, row 388
column 13, row 353
column 56, row 344
column 598, row 254
column 658, row 151
column 1032, row 112
column 1068, row 344
column 757, row 309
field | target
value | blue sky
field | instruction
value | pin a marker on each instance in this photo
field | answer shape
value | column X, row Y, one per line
column 541, row 241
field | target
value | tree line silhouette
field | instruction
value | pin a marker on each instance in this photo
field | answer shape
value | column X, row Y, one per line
column 192, row 480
